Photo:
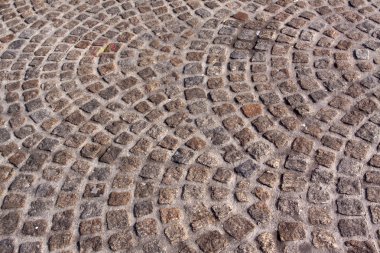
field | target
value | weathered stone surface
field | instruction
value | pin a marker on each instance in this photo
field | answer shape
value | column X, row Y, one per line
column 356, row 149
column 34, row 228
column 175, row 233
column 289, row 207
column 212, row 241
column 146, row 227
column 293, row 182
column 121, row 240
column 210, row 159
column 174, row 126
column 353, row 207
column 317, row 194
column 372, row 194
column 238, row 227
column 9, row 222
column 322, row 176
column 90, row 227
column 360, row 246
column 110, row 155
column 247, row 168
column 246, row 247
column 349, row 166
column 119, row 198
column 323, row 239
column 91, row 243
column 267, row 242
column 319, row 215
column 260, row 213
column 297, row 162
column 251, row 110
column 182, row 156
column 291, row 231
column 7, row 246
column 117, row 219
column 59, row 241
column 33, row 247
column 352, row 227
column 302, row 145
column 349, row 186
column 259, row 150
column 62, row 220
column 196, row 143
column 268, row 178
column 170, row 214
column 375, row 213
column 4, row 135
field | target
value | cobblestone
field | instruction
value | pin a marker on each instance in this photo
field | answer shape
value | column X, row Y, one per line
column 189, row 126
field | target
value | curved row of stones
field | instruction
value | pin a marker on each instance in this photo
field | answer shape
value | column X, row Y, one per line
column 189, row 126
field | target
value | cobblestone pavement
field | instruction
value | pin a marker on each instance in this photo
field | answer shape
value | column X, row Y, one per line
column 190, row 126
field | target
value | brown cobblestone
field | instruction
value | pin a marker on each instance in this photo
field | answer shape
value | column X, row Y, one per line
column 138, row 125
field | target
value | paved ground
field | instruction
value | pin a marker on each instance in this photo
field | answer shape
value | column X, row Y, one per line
column 190, row 126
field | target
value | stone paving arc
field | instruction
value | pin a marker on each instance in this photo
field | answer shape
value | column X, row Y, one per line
column 189, row 126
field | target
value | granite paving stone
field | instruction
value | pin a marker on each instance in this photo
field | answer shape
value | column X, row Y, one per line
column 185, row 126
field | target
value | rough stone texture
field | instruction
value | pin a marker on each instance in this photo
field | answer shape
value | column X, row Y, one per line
column 356, row 246
column 352, row 227
column 212, row 241
column 189, row 126
column 323, row 239
column 291, row 231
column 267, row 242
column 238, row 227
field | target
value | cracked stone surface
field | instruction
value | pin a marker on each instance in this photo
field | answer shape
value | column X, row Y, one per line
column 186, row 126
